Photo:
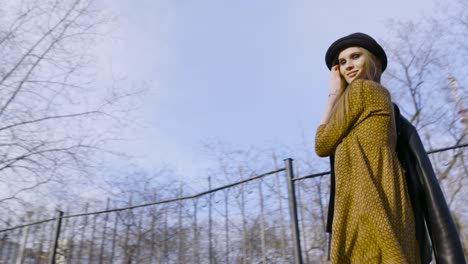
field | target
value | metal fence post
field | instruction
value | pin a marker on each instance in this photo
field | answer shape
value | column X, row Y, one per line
column 293, row 211
column 58, row 225
column 24, row 239
column 210, row 224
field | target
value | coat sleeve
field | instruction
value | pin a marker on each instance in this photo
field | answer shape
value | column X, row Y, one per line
column 445, row 239
column 353, row 107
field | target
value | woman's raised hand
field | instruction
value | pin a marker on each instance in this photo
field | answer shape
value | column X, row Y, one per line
column 337, row 87
column 337, row 84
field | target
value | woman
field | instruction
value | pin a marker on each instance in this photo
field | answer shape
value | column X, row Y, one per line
column 373, row 217
column 373, row 220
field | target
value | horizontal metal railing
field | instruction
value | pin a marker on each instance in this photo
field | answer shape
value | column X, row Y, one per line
column 291, row 198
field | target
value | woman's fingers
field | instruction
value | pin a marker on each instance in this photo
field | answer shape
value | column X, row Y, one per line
column 336, row 83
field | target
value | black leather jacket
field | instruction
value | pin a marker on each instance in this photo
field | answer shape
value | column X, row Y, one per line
column 430, row 208
column 427, row 199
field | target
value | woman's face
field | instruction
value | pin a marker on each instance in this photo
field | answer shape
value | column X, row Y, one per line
column 352, row 62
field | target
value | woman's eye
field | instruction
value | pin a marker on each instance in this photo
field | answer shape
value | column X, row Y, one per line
column 342, row 62
column 356, row 56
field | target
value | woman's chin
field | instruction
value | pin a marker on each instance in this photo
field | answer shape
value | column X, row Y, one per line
column 355, row 78
column 350, row 80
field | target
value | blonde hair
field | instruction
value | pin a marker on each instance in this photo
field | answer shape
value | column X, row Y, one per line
column 373, row 69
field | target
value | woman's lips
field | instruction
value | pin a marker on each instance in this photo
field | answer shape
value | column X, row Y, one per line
column 352, row 74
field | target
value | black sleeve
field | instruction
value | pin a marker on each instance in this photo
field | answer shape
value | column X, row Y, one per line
column 445, row 240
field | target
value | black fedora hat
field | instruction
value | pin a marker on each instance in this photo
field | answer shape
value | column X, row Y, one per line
column 355, row 40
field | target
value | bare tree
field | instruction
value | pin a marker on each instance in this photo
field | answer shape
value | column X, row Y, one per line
column 426, row 61
column 51, row 117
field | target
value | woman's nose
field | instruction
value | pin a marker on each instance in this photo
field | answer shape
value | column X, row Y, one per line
column 349, row 66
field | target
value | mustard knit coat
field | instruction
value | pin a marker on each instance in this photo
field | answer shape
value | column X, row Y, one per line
column 373, row 220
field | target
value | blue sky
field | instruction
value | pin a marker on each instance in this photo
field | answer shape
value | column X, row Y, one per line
column 247, row 73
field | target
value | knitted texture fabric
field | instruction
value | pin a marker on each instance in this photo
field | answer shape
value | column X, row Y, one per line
column 373, row 220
